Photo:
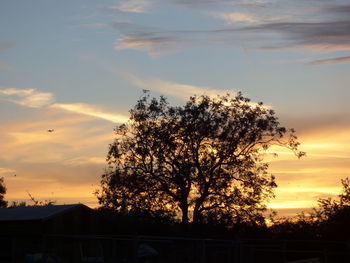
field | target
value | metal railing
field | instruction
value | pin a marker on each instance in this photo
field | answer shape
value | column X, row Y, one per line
column 137, row 249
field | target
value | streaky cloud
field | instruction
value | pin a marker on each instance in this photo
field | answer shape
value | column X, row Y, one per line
column 237, row 17
column 27, row 97
column 209, row 4
column 25, row 141
column 34, row 99
column 323, row 125
column 337, row 60
column 154, row 46
column 320, row 36
column 85, row 160
column 261, row 25
column 6, row 171
column 338, row 9
column 132, row 6
column 91, row 110
column 182, row 91
column 316, row 36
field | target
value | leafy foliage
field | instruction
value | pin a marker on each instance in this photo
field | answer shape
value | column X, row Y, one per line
column 333, row 216
column 328, row 221
column 34, row 201
column 17, row 204
column 329, row 208
column 3, row 203
column 38, row 202
column 203, row 160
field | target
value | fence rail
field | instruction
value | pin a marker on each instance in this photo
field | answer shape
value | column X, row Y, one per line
column 138, row 249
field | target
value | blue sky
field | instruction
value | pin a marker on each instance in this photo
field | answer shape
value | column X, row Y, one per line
column 79, row 66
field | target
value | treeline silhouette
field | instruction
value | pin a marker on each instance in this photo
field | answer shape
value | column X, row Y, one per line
column 199, row 170
column 202, row 162
column 329, row 221
column 32, row 199
column 3, row 202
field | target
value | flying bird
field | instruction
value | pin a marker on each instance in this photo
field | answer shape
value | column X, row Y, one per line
column 50, row 130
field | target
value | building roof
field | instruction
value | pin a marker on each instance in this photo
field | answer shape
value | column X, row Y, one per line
column 28, row 213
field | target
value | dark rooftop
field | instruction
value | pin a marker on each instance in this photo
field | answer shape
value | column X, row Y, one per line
column 26, row 213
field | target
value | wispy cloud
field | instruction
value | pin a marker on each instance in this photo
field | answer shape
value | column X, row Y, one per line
column 337, row 60
column 89, row 160
column 31, row 137
column 35, row 99
column 183, row 91
column 211, row 4
column 133, row 6
column 93, row 111
column 316, row 36
column 325, row 125
column 236, row 17
column 27, row 97
column 6, row 171
column 261, row 25
column 153, row 45
column 68, row 161
column 154, row 41
column 179, row 90
column 342, row 9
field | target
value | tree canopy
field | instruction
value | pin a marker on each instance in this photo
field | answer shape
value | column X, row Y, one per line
column 330, row 209
column 203, row 161
column 329, row 221
column 3, row 203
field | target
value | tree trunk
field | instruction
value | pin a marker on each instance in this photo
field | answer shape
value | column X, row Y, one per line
column 184, row 210
column 196, row 214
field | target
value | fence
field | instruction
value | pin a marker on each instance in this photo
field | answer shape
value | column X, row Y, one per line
column 137, row 249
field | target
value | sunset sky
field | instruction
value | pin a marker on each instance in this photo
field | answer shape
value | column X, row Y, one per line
column 78, row 66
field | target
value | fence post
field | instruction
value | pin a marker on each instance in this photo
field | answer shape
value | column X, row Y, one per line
column 252, row 254
column 240, row 251
column 13, row 252
column 325, row 255
column 114, row 249
column 135, row 244
column 202, row 258
column 284, row 251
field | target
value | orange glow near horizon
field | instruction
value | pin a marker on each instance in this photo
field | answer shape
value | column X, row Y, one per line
column 76, row 68
column 317, row 175
column 66, row 165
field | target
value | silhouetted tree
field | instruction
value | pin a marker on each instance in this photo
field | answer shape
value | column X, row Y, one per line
column 34, row 201
column 329, row 208
column 17, row 204
column 204, row 159
column 303, row 226
column 38, row 202
column 333, row 216
column 329, row 220
column 3, row 203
